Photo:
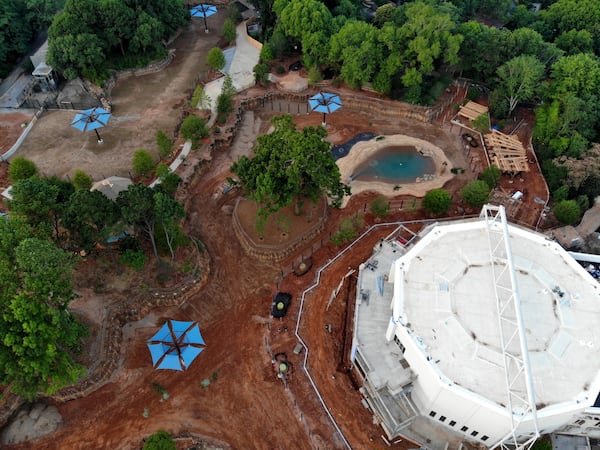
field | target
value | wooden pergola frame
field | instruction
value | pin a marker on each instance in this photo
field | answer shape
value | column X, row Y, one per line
column 472, row 110
column 507, row 152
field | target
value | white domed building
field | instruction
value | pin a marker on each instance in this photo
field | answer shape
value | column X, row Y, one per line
column 477, row 332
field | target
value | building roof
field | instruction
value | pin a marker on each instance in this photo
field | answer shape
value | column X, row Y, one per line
column 448, row 300
column 111, row 186
column 38, row 60
column 507, row 152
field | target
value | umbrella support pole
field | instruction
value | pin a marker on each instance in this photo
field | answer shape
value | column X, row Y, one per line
column 100, row 140
column 205, row 25
column 324, row 123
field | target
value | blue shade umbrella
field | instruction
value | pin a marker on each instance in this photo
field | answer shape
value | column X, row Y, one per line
column 91, row 119
column 325, row 103
column 176, row 345
column 203, row 10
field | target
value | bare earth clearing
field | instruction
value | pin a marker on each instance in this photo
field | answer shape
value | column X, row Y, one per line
column 246, row 406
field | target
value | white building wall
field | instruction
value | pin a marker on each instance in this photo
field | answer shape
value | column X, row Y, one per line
column 432, row 392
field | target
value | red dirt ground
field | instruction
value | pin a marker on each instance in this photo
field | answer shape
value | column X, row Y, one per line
column 246, row 406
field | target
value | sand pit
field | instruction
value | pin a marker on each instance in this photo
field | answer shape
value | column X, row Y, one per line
column 362, row 151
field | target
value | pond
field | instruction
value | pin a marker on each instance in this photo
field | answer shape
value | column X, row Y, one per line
column 395, row 164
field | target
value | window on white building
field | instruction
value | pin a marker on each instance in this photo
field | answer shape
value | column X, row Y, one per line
column 452, row 423
column 474, row 433
column 432, row 413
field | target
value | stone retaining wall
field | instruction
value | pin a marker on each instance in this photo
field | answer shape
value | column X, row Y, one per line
column 155, row 66
column 275, row 252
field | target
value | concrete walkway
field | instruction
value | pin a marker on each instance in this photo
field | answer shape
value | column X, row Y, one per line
column 241, row 68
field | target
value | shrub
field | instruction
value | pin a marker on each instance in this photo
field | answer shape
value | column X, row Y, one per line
column 380, row 206
column 476, row 193
column 473, row 93
column 567, row 212
column 229, row 30
column 161, row 440
column 81, row 180
column 164, row 144
column 21, row 169
column 194, row 129
column 216, row 58
column 134, row 259
column 314, row 75
column 225, row 100
column 266, row 53
column 348, row 230
column 560, row 194
column 261, row 74
column 437, row 201
column 142, row 163
column 491, row 176
column 482, row 123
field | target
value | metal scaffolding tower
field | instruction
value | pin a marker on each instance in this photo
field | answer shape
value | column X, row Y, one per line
column 517, row 369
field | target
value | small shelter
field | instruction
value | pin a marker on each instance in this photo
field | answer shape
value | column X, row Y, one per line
column 507, row 152
column 111, row 186
column 42, row 72
column 472, row 111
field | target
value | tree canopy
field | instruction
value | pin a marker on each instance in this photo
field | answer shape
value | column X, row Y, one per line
column 290, row 165
column 38, row 335
column 88, row 36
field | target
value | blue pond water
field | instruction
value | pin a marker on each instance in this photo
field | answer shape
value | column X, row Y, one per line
column 393, row 165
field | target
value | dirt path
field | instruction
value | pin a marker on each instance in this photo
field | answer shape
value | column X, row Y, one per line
column 141, row 106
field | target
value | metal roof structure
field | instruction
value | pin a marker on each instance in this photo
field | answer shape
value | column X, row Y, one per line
column 486, row 312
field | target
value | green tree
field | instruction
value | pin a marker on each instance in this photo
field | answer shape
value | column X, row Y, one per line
column 81, row 180
column 437, row 201
column 354, row 48
column 491, row 175
column 476, row 193
column 567, row 212
column 168, row 214
column 418, row 47
column 35, row 199
column 482, row 123
column 169, row 180
column 216, row 58
column 565, row 15
column 38, row 335
column 194, row 129
column 573, row 42
column 142, row 163
column 261, row 74
column 520, row 79
column 310, row 24
column 161, row 440
column 229, row 30
column 90, row 218
column 164, row 143
column 137, row 208
column 290, row 166
column 21, row 168
column 15, row 33
column 225, row 100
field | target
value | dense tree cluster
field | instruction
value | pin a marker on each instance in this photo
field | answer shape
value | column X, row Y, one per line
column 547, row 58
column 48, row 220
column 89, row 36
column 20, row 20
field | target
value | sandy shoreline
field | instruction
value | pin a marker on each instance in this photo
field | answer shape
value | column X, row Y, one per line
column 362, row 151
